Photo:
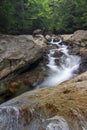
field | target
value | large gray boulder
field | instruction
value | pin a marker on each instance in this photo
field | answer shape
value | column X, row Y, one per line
column 79, row 38
column 63, row 107
column 17, row 52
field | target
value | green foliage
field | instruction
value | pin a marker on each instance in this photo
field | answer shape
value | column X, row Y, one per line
column 39, row 13
column 69, row 15
column 61, row 16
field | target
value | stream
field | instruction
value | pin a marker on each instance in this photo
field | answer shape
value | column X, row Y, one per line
column 58, row 65
column 61, row 66
column 66, row 69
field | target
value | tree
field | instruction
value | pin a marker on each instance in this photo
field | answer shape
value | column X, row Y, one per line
column 39, row 13
column 59, row 16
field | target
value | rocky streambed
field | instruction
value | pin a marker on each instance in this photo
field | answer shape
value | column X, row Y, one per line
column 19, row 55
column 60, row 107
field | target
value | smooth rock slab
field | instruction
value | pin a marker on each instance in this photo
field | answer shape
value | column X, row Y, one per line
column 11, row 120
column 79, row 38
column 17, row 52
column 57, row 107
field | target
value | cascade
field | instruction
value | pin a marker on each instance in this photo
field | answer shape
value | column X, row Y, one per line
column 57, row 73
column 66, row 69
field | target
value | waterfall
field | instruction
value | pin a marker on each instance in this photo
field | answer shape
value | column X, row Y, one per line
column 67, row 68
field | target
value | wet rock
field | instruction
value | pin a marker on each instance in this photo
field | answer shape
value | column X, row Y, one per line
column 56, row 39
column 57, row 54
column 18, row 52
column 50, row 47
column 57, row 61
column 77, row 44
column 22, row 82
column 45, row 60
column 83, row 64
column 74, row 50
column 47, row 51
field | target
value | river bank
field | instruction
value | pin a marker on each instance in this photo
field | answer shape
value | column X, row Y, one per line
column 33, row 73
column 59, row 107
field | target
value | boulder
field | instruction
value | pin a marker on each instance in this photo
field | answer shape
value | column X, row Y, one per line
column 37, row 31
column 78, row 37
column 48, row 38
column 83, row 64
column 62, row 107
column 76, row 41
column 57, row 54
column 77, row 44
column 65, row 37
column 56, row 38
column 17, row 52
column 74, row 50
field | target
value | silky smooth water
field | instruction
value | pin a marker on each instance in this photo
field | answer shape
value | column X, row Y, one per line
column 66, row 69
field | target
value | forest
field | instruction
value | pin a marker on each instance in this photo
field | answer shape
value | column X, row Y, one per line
column 57, row 16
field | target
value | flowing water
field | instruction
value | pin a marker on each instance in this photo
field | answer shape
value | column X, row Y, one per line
column 67, row 68
column 57, row 73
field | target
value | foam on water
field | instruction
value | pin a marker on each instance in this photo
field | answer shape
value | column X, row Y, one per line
column 66, row 69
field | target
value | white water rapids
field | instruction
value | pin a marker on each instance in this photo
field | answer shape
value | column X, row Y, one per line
column 68, row 65
column 11, row 116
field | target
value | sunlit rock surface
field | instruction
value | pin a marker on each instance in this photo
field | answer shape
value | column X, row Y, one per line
column 66, row 36
column 58, row 108
column 55, row 108
column 20, row 51
column 78, row 37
